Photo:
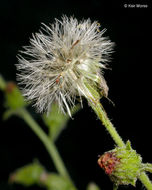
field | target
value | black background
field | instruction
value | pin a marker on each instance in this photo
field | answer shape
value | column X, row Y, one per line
column 129, row 82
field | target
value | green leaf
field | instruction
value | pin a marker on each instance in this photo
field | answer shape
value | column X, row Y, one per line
column 35, row 173
column 27, row 175
column 56, row 121
column 92, row 186
column 56, row 182
column 128, row 145
column 2, row 83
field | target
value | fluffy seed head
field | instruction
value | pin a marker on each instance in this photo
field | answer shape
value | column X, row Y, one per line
column 58, row 61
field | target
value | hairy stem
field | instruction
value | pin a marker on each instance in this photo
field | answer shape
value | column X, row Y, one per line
column 99, row 110
column 147, row 167
column 49, row 145
column 145, row 180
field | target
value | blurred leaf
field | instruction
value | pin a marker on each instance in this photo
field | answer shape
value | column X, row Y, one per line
column 92, row 186
column 2, row 83
column 55, row 182
column 27, row 175
column 56, row 121
column 35, row 174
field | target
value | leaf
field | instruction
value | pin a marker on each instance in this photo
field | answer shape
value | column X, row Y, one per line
column 53, row 181
column 35, row 173
column 56, row 121
column 128, row 145
column 27, row 175
column 92, row 186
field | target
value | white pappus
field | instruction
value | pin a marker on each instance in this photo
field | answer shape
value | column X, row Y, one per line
column 58, row 61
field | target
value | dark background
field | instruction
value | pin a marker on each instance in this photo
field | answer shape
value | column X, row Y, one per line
column 129, row 82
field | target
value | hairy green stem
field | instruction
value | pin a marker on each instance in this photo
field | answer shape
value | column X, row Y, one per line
column 147, row 167
column 145, row 180
column 99, row 110
column 97, row 107
column 49, row 145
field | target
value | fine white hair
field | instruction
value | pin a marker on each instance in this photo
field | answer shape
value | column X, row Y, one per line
column 59, row 59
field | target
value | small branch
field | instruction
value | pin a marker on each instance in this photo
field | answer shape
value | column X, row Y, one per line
column 49, row 145
column 147, row 167
column 99, row 110
column 145, row 180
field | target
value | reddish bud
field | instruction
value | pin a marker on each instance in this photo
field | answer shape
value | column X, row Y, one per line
column 10, row 87
column 108, row 162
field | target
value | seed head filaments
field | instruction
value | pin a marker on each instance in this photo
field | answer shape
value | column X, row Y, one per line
column 58, row 61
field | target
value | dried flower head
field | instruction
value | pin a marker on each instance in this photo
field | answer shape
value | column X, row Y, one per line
column 122, row 164
column 59, row 60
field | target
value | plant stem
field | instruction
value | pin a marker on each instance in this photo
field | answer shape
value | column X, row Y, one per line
column 99, row 110
column 49, row 145
column 145, row 180
column 147, row 167
column 115, row 187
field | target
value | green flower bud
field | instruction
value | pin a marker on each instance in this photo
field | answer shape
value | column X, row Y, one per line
column 14, row 98
column 122, row 164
